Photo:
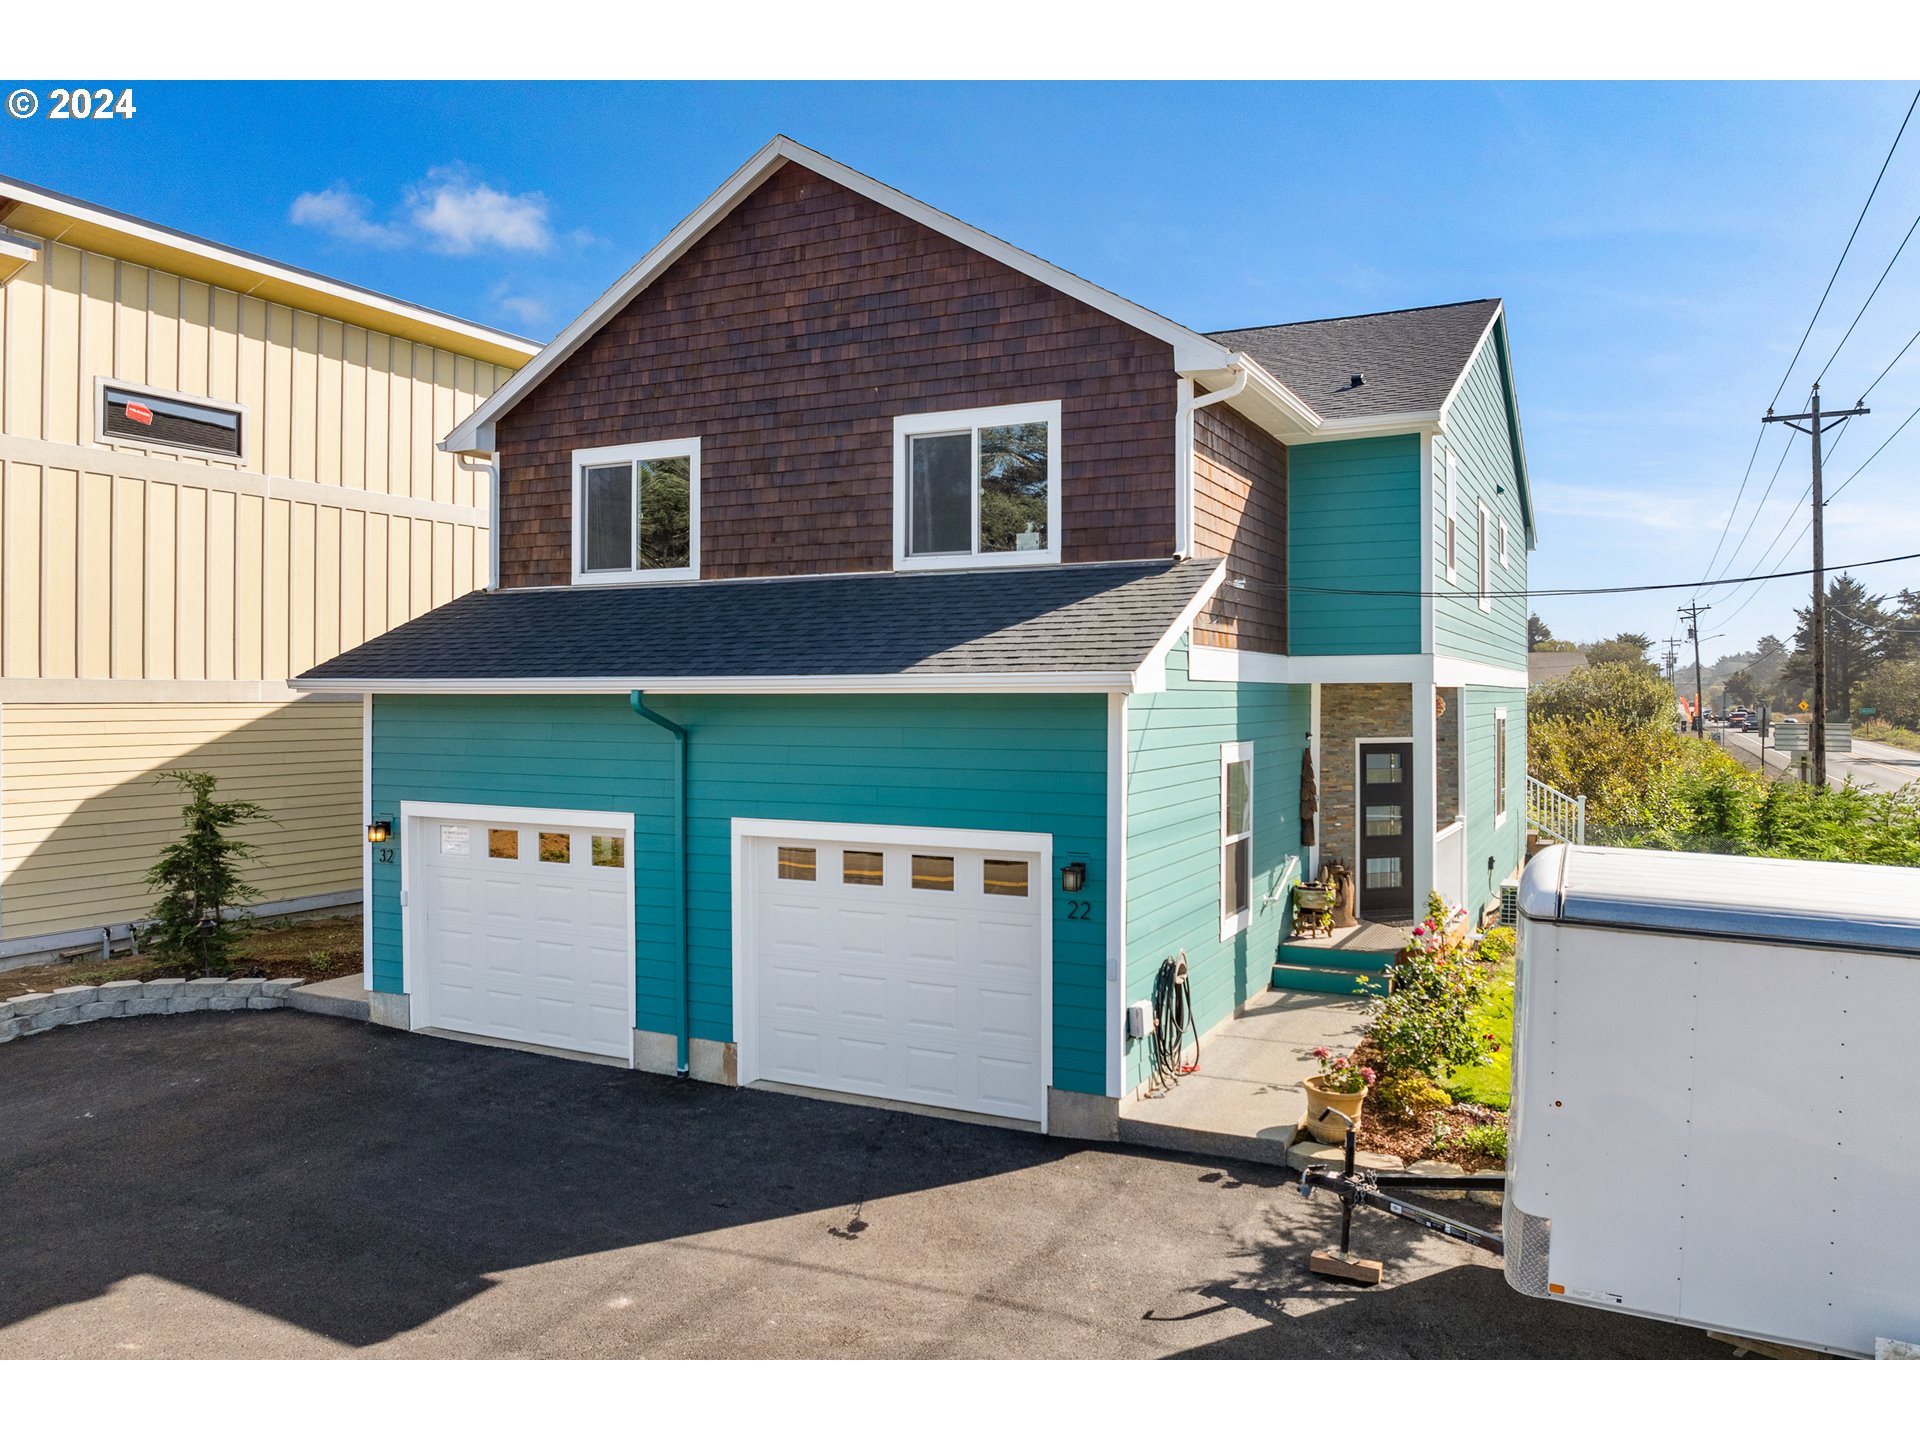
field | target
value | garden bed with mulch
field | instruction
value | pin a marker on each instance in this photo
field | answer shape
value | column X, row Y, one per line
column 304, row 950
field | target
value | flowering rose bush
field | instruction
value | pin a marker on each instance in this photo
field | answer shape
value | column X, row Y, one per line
column 1339, row 1074
column 1426, row 1025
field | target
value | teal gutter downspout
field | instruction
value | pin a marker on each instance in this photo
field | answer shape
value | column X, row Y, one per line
column 684, row 1035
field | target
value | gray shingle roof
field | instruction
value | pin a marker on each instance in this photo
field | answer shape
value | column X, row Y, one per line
column 1057, row 618
column 1411, row 358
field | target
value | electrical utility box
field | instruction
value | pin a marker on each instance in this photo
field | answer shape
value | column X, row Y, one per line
column 1716, row 1100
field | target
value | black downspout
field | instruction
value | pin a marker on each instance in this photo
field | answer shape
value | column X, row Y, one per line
column 683, row 1036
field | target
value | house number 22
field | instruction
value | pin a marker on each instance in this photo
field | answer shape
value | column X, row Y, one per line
column 1079, row 910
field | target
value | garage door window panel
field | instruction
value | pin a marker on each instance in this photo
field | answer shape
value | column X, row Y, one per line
column 798, row 863
column 556, row 847
column 863, row 867
column 933, row 872
column 503, row 844
column 1004, row 877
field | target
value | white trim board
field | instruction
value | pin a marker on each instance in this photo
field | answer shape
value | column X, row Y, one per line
column 1192, row 351
column 162, row 468
column 1045, row 682
column 1116, row 891
column 746, row 829
column 1217, row 664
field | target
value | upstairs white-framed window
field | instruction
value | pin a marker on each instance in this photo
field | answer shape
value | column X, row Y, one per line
column 1453, row 528
column 977, row 487
column 1504, row 562
column 1481, row 553
column 636, row 512
column 1236, row 837
column 1499, row 767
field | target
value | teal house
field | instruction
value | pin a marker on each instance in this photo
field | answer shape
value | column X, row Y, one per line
column 898, row 650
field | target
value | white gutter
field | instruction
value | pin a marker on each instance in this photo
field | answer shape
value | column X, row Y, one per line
column 1183, row 444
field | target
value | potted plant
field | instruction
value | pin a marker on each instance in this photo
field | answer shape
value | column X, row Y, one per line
column 1341, row 1085
column 1313, row 909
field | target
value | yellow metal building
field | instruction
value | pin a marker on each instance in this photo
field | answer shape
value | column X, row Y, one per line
column 215, row 472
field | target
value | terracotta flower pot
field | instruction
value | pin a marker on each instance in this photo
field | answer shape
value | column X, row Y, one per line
column 1331, row 1131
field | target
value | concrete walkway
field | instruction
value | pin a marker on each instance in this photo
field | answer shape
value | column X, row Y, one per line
column 1245, row 1101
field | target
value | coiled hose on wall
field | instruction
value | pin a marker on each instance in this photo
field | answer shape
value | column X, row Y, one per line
column 1173, row 1017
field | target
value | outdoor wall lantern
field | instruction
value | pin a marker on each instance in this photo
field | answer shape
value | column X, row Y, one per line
column 379, row 832
column 1073, row 876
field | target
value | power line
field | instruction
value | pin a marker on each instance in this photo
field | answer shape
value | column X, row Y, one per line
column 1868, row 301
column 1457, row 594
column 1745, row 475
column 1870, row 459
column 1890, row 364
column 1844, row 251
column 1785, row 451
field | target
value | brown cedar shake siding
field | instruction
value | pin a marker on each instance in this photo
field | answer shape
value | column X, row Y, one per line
column 1240, row 512
column 787, row 339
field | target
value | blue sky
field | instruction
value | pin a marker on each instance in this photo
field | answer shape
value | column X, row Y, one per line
column 1660, row 247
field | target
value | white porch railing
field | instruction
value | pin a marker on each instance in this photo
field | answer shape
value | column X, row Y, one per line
column 1450, row 862
column 1552, row 812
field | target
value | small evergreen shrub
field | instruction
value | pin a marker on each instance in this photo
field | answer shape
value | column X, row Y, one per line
column 198, row 881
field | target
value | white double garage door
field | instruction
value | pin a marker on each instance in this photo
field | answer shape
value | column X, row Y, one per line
column 871, row 960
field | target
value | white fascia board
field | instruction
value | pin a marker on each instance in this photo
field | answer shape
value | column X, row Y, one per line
column 1451, row 671
column 1215, row 663
column 1473, row 358
column 1361, row 427
column 1073, row 682
column 1191, row 350
column 161, row 236
column 1151, row 677
column 17, row 251
column 1265, row 400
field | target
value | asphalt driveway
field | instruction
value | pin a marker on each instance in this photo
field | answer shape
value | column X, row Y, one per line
column 278, row 1184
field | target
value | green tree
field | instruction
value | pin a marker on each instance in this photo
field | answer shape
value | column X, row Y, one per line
column 1537, row 632
column 1626, row 648
column 1892, row 688
column 1623, row 694
column 197, row 878
column 1857, row 634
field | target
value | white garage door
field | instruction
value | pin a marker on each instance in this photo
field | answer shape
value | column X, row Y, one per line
column 905, row 971
column 521, row 928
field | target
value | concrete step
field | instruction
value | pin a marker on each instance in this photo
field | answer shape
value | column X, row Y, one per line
column 1323, row 980
column 344, row 997
column 1320, row 957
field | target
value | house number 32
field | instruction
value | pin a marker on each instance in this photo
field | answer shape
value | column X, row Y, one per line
column 384, row 854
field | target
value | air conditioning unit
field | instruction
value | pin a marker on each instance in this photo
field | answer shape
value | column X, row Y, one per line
column 1510, row 903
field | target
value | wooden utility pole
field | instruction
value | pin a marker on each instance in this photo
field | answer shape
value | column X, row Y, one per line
column 1815, row 423
column 1693, row 610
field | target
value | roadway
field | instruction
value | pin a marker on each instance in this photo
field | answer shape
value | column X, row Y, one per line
column 1871, row 766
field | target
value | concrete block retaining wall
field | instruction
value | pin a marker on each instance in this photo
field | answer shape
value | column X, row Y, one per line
column 77, row 1004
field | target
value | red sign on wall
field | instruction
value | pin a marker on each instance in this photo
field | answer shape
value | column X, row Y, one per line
column 139, row 414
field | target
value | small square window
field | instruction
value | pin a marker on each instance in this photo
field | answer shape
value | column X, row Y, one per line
column 610, row 851
column 933, row 872
column 503, row 844
column 455, row 840
column 556, row 847
column 797, row 862
column 1005, row 877
column 863, row 867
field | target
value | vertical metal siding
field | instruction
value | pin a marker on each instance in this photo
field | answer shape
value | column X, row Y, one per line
column 117, row 568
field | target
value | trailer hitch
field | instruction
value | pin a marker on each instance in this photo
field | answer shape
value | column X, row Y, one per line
column 1357, row 1187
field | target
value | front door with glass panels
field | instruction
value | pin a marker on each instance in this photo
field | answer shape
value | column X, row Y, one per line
column 1386, row 831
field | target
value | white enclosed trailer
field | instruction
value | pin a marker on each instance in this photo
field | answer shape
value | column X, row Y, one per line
column 1716, row 1093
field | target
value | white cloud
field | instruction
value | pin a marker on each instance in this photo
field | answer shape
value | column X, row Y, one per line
column 341, row 213
column 449, row 211
column 529, row 311
column 458, row 214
